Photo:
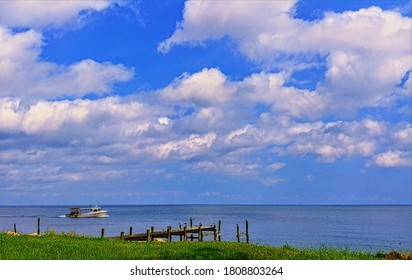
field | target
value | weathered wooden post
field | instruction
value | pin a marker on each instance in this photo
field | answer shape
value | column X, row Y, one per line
column 151, row 232
column 218, row 230
column 169, row 234
column 180, row 236
column 148, row 235
column 237, row 233
column 247, row 231
column 131, row 231
column 15, row 228
column 214, row 232
column 38, row 226
column 191, row 225
column 200, row 234
column 102, row 233
column 122, row 235
column 185, row 233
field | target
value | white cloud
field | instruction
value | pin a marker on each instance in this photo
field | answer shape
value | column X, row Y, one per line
column 208, row 118
column 241, row 168
column 264, row 28
column 19, row 156
column 23, row 74
column 329, row 141
column 79, row 120
column 80, row 78
column 132, row 130
column 270, row 88
column 10, row 117
column 205, row 20
column 184, row 149
column 335, row 140
column 272, row 181
column 216, row 96
column 206, row 87
column 41, row 14
column 393, row 159
column 275, row 166
column 403, row 135
column 366, row 52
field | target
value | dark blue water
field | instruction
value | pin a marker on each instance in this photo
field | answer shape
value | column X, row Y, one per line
column 369, row 228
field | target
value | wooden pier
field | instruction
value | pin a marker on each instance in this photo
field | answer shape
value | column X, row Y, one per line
column 184, row 233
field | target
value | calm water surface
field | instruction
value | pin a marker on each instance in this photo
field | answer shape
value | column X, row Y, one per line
column 370, row 228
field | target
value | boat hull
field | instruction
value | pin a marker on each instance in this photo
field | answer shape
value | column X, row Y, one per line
column 100, row 214
column 92, row 212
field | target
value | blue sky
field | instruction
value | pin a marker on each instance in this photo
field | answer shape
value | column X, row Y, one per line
column 158, row 102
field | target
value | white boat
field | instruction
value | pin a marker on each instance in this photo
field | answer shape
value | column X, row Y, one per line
column 91, row 212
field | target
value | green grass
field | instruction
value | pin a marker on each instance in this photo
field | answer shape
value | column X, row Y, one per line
column 72, row 247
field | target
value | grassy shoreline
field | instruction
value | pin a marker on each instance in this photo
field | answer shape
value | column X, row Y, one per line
column 73, row 247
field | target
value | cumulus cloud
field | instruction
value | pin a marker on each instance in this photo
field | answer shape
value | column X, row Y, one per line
column 206, row 87
column 335, row 140
column 184, row 149
column 205, row 20
column 271, row 89
column 366, row 52
column 81, row 122
column 23, row 74
column 210, row 89
column 206, row 120
column 115, row 134
column 393, row 159
column 262, row 29
column 403, row 135
column 39, row 15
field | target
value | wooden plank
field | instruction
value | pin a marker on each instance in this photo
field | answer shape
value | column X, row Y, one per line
column 200, row 231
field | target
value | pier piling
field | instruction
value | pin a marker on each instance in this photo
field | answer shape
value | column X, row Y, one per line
column 185, row 233
column 218, row 230
column 191, row 225
column 246, row 233
column 169, row 235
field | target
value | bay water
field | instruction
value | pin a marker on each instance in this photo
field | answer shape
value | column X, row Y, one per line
column 367, row 228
